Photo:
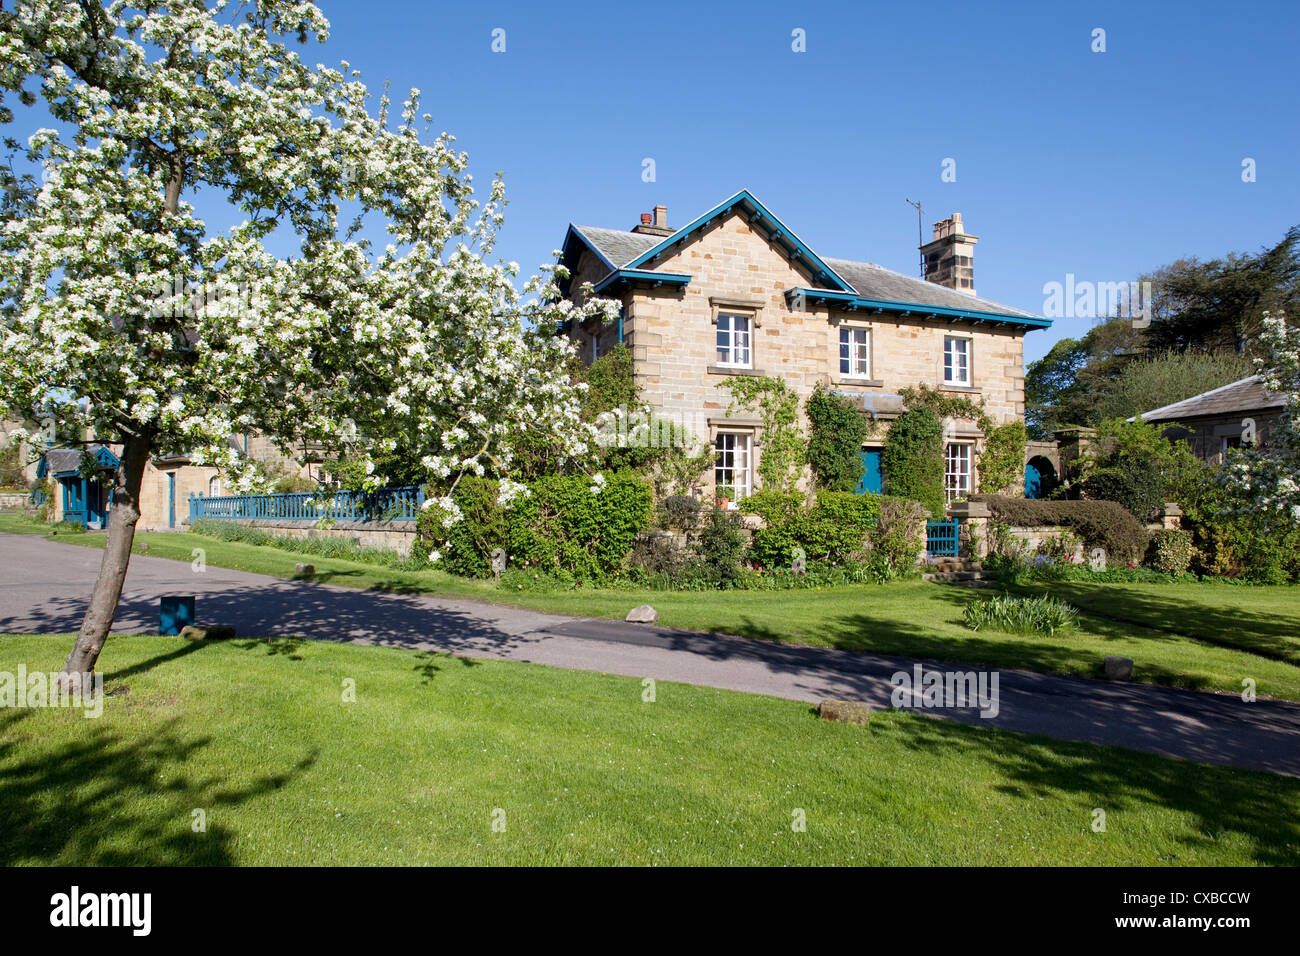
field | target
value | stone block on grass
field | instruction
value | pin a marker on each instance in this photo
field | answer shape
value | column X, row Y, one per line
column 1119, row 668
column 304, row 569
column 845, row 712
column 196, row 633
column 644, row 614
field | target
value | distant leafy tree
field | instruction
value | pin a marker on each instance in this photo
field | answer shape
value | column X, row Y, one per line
column 1218, row 305
column 1148, row 383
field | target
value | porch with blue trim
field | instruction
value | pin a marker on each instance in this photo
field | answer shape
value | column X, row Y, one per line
column 87, row 500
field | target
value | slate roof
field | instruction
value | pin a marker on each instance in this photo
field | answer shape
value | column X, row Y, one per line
column 618, row 247
column 1246, row 395
column 876, row 282
column 61, row 460
column 868, row 280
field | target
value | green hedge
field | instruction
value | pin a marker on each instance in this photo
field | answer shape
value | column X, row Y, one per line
column 561, row 528
column 829, row 532
column 1101, row 524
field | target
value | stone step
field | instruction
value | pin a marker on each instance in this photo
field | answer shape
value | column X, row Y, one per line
column 956, row 577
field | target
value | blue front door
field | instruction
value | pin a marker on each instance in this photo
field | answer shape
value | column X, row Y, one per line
column 171, row 499
column 872, row 477
column 74, row 500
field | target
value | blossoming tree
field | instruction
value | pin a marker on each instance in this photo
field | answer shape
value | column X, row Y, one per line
column 1269, row 477
column 129, row 321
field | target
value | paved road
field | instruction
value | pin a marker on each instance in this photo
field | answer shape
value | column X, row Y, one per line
column 44, row 584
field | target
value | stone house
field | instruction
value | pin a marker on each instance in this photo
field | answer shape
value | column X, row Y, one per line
column 736, row 292
column 1239, row 413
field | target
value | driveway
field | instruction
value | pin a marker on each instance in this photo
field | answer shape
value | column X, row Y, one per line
column 44, row 586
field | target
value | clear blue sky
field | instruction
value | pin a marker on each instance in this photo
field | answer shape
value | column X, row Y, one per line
column 1104, row 165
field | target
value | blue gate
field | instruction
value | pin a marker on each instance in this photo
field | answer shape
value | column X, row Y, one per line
column 941, row 538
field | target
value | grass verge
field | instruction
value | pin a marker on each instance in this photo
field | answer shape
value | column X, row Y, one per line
column 255, row 733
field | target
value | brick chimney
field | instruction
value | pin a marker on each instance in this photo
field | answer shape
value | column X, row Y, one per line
column 950, row 256
column 656, row 223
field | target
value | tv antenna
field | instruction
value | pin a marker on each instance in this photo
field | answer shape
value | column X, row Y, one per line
column 920, row 241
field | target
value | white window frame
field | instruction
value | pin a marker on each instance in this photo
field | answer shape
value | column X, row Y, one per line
column 739, row 473
column 734, row 339
column 849, row 343
column 957, row 481
column 949, row 350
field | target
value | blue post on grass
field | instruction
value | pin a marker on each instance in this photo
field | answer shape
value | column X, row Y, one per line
column 174, row 613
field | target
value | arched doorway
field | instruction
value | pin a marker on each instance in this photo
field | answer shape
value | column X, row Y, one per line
column 1040, row 477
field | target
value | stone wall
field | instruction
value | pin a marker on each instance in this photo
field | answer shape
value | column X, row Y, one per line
column 13, row 501
column 390, row 535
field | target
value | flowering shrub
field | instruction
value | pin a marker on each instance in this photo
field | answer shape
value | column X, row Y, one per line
column 1268, row 478
column 1171, row 551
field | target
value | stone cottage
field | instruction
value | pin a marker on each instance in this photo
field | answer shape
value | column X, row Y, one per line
column 1231, row 416
column 736, row 292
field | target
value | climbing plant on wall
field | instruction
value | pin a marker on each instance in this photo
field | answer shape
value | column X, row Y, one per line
column 1001, row 464
column 913, row 458
column 836, row 430
column 777, row 407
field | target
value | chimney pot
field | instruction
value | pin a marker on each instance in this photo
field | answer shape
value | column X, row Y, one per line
column 646, row 218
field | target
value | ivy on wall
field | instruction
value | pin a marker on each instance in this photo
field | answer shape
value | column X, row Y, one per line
column 1001, row 464
column 836, row 431
column 913, row 458
column 777, row 407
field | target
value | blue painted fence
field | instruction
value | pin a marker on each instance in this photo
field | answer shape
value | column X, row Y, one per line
column 941, row 538
column 388, row 504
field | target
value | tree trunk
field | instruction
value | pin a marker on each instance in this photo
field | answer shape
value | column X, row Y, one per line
column 117, row 554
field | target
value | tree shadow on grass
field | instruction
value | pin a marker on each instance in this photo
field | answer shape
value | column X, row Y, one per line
column 183, row 651
column 287, row 647
column 108, row 799
column 1258, row 806
column 1240, row 627
column 429, row 663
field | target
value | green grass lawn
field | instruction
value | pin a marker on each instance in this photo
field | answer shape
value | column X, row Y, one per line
column 1204, row 636
column 256, row 735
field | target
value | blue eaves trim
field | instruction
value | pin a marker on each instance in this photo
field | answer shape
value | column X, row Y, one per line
column 641, row 275
column 762, row 215
column 972, row 315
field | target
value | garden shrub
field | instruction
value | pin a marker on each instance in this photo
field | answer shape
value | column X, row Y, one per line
column 1171, row 551
column 831, row 531
column 913, row 459
column 721, row 543
column 468, row 544
column 1101, row 524
column 838, row 525
column 1135, row 484
column 562, row 526
column 679, row 513
column 898, row 540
